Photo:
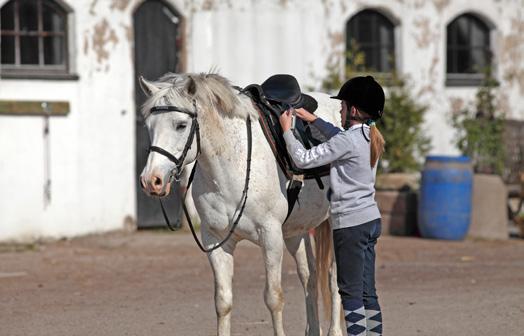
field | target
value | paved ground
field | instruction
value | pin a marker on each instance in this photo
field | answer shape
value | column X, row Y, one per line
column 157, row 283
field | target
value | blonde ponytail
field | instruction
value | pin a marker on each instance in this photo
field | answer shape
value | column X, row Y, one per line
column 377, row 144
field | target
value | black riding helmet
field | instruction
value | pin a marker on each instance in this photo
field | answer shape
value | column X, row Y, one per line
column 364, row 93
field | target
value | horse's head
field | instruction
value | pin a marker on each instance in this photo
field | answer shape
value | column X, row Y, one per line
column 170, row 114
column 176, row 105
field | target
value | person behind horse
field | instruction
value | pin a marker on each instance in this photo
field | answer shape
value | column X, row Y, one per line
column 355, row 218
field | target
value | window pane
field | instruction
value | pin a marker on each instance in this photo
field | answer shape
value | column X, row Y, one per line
column 364, row 29
column 461, row 31
column 28, row 15
column 29, row 49
column 479, row 35
column 53, row 19
column 8, row 16
column 8, row 49
column 387, row 60
column 463, row 61
column 371, row 58
column 54, row 50
column 384, row 60
column 385, row 35
column 451, row 35
column 351, row 43
column 451, row 64
column 479, row 59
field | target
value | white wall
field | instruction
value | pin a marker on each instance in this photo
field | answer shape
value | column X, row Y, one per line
column 250, row 40
column 92, row 149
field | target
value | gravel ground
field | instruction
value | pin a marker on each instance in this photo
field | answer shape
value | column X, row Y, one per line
column 158, row 283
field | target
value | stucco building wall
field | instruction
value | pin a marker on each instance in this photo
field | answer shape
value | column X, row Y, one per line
column 92, row 149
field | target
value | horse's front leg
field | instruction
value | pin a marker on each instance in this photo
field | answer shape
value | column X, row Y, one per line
column 222, row 263
column 301, row 250
column 272, row 245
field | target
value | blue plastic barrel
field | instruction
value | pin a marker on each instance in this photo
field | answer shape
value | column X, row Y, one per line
column 444, row 208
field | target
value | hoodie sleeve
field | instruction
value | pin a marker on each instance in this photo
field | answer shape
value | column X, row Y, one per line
column 326, row 128
column 320, row 155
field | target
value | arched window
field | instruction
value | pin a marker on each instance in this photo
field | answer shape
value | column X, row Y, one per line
column 33, row 38
column 468, row 49
column 372, row 34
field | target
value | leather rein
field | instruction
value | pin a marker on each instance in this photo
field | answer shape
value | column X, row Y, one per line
column 179, row 163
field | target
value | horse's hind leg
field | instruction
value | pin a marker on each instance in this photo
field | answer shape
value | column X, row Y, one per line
column 301, row 250
column 336, row 317
column 272, row 248
column 221, row 261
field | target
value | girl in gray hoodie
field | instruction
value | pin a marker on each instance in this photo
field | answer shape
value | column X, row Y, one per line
column 353, row 154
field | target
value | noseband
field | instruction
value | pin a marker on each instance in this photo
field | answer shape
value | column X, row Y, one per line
column 195, row 129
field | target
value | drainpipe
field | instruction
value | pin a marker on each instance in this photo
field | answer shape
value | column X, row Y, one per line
column 47, row 155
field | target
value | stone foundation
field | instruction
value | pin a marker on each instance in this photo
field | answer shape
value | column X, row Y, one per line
column 489, row 217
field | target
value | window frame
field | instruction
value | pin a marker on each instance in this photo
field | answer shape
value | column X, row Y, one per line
column 374, row 44
column 40, row 70
column 468, row 78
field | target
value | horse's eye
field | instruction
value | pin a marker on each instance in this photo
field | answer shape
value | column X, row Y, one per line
column 181, row 127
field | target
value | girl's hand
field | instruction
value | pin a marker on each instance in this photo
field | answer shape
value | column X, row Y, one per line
column 305, row 115
column 286, row 120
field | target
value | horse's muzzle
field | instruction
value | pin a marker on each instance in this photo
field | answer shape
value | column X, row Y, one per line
column 155, row 186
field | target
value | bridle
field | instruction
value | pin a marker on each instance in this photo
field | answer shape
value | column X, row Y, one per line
column 179, row 163
column 195, row 129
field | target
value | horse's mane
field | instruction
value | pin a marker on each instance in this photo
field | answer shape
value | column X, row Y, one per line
column 211, row 91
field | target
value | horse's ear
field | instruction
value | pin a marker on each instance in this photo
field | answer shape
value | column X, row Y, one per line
column 146, row 86
column 191, row 86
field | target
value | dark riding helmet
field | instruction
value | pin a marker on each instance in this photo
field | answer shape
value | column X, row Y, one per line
column 364, row 93
column 284, row 89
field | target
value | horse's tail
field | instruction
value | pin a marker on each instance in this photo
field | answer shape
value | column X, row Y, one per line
column 324, row 257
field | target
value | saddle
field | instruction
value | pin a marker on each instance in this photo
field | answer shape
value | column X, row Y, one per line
column 269, row 112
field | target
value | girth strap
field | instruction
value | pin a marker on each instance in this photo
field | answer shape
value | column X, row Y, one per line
column 293, row 189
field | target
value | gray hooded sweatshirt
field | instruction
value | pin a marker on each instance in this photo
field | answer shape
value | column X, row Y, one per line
column 351, row 176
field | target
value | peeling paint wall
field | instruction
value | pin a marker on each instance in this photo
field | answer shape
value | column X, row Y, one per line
column 421, row 53
column 93, row 148
column 303, row 37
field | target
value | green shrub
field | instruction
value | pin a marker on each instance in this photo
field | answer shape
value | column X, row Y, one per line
column 402, row 127
column 480, row 130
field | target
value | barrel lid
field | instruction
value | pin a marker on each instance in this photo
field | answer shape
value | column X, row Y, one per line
column 447, row 158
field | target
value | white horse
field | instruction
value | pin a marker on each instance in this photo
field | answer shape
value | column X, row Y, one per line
column 222, row 113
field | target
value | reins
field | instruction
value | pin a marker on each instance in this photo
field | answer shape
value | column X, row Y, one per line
column 195, row 129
